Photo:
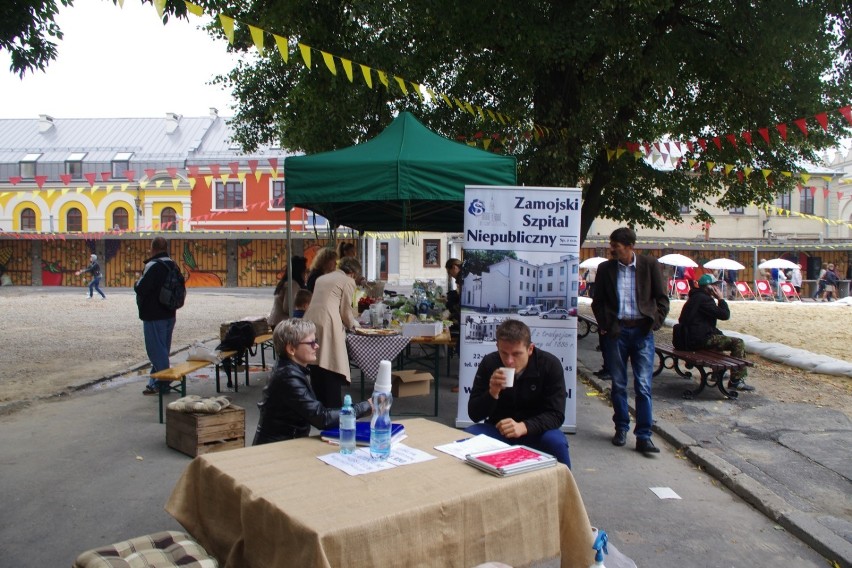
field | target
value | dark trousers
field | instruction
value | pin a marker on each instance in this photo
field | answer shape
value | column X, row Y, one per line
column 327, row 386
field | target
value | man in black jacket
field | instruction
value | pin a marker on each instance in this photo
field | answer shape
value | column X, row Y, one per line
column 531, row 411
column 630, row 303
column 158, row 321
column 698, row 319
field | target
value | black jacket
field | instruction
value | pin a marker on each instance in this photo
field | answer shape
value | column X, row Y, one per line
column 94, row 269
column 148, row 287
column 289, row 406
column 537, row 399
column 699, row 316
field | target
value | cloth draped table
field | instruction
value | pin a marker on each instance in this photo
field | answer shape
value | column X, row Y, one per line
column 367, row 351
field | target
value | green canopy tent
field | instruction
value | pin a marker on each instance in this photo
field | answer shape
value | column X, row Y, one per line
column 405, row 179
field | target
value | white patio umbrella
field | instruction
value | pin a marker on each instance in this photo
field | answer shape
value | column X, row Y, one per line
column 781, row 263
column 593, row 262
column 678, row 260
column 723, row 264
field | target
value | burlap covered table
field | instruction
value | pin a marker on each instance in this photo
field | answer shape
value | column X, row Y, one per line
column 277, row 505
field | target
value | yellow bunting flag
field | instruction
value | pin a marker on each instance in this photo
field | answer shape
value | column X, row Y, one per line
column 283, row 47
column 619, row 152
column 192, row 182
column 124, row 186
column 728, row 168
column 257, row 175
column 50, row 192
column 257, row 37
column 347, row 68
column 159, row 183
column 401, row 82
column 691, row 162
column 329, row 62
column 766, row 173
column 160, row 6
column 305, row 50
column 417, row 91
column 208, row 180
column 383, row 77
column 458, row 103
column 748, row 171
column 241, row 176
column 805, row 177
column 491, row 114
column 502, row 118
column 710, row 166
column 787, row 174
column 175, row 183
column 826, row 178
column 80, row 189
column 481, row 112
column 469, row 108
column 609, row 154
column 109, row 188
column 368, row 77
column 121, row 3
column 447, row 100
column 65, row 190
column 194, row 9
column 486, row 143
column 227, row 27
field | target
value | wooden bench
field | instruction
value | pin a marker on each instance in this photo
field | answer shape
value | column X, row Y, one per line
column 711, row 365
column 587, row 323
column 263, row 341
column 179, row 373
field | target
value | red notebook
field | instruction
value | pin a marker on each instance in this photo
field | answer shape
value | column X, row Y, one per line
column 510, row 461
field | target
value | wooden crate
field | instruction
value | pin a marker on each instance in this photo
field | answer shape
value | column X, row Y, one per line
column 194, row 433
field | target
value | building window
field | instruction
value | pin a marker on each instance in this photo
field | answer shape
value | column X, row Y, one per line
column 549, row 272
column 120, row 164
column 550, row 286
column 74, row 220
column 120, row 219
column 784, row 200
column 561, row 271
column 736, row 210
column 528, row 271
column 520, row 286
column 28, row 221
column 806, row 201
column 520, row 300
column 28, row 166
column 74, row 165
column 562, row 286
column 277, row 197
column 229, row 195
column 522, row 270
column 431, row 253
column 168, row 219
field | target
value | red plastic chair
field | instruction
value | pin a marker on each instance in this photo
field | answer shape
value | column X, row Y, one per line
column 744, row 291
column 681, row 288
column 789, row 292
column 764, row 290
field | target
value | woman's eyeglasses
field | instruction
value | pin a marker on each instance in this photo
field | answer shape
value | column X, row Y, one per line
column 313, row 343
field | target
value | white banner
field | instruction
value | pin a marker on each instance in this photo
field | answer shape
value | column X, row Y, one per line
column 521, row 256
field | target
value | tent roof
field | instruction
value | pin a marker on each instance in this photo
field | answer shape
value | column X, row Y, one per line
column 406, row 178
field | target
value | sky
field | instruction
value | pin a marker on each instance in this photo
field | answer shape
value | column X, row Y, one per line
column 121, row 62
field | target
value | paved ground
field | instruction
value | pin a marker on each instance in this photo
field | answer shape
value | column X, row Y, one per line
column 93, row 468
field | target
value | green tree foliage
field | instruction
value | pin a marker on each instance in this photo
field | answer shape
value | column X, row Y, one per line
column 478, row 261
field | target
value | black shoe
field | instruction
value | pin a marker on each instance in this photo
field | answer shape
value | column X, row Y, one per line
column 740, row 386
column 150, row 391
column 605, row 377
column 620, row 438
column 601, row 372
column 646, row 446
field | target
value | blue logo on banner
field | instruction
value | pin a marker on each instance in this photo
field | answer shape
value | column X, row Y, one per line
column 476, row 208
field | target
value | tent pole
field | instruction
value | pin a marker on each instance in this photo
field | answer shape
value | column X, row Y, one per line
column 289, row 264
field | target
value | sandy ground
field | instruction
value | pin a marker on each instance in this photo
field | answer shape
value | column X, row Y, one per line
column 56, row 339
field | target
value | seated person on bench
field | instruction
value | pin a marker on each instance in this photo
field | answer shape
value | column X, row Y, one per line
column 698, row 317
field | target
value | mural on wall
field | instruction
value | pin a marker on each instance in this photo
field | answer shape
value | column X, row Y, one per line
column 197, row 277
column 260, row 262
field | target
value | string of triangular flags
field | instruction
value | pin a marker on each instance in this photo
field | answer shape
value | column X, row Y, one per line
column 787, row 213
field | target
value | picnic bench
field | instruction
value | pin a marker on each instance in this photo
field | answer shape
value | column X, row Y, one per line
column 263, row 341
column 711, row 365
column 586, row 325
column 178, row 373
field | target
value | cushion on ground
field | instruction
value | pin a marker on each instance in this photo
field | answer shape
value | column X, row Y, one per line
column 195, row 403
column 158, row 550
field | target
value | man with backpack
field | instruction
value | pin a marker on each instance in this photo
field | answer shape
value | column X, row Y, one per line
column 159, row 293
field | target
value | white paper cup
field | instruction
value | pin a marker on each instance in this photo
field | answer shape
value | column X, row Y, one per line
column 509, row 373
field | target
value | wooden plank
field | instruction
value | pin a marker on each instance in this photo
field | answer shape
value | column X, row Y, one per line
column 180, row 370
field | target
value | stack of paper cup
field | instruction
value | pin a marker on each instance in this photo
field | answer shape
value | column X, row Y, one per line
column 383, row 379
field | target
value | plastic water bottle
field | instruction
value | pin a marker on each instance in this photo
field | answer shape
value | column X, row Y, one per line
column 380, row 423
column 347, row 426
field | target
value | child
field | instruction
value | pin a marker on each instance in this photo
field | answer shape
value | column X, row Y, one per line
column 301, row 302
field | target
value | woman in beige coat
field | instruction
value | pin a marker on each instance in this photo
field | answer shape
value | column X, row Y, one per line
column 331, row 311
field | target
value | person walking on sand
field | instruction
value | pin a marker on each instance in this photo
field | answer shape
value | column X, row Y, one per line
column 95, row 270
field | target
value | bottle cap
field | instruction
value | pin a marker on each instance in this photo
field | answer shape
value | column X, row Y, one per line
column 383, row 379
column 347, row 400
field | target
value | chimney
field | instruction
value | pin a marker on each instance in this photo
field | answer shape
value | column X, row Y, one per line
column 172, row 120
column 214, row 112
column 45, row 123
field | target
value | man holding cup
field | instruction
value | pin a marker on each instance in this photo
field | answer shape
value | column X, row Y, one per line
column 518, row 394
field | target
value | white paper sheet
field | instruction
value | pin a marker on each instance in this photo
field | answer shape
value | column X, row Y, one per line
column 479, row 443
column 360, row 462
column 665, row 492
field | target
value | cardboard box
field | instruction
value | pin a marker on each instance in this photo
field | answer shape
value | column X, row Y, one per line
column 422, row 329
column 195, row 433
column 410, row 383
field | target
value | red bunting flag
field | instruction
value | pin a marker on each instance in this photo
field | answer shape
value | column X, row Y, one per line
column 813, row 190
column 130, row 174
column 740, row 176
column 782, row 130
column 822, row 118
column 847, row 113
column 689, row 146
column 764, row 132
column 15, row 180
column 839, row 195
column 90, row 177
column 150, row 172
column 172, row 172
column 235, row 167
column 825, row 193
column 193, row 170
column 732, row 139
column 40, row 181
column 105, row 176
column 252, row 166
column 214, row 169
column 746, row 136
column 273, row 163
column 803, row 126
column 703, row 143
column 66, row 179
column 718, row 142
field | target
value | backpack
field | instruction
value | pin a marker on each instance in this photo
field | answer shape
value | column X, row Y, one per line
column 173, row 292
column 831, row 278
column 240, row 335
